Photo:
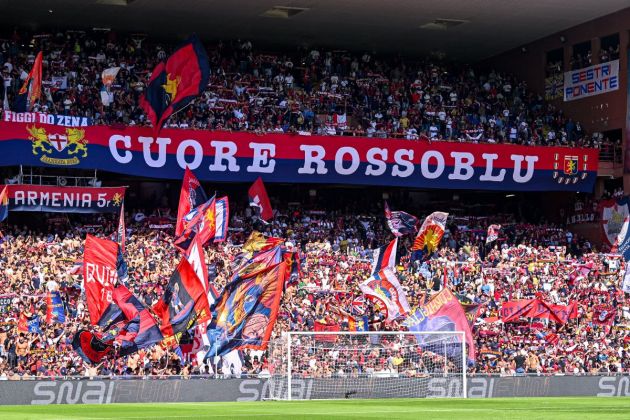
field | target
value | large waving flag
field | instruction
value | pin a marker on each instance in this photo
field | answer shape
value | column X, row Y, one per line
column 442, row 313
column 385, row 288
column 384, row 257
column 100, row 275
column 31, row 89
column 208, row 221
column 246, row 311
column 130, row 328
column 259, row 199
column 191, row 196
column 4, row 203
column 184, row 304
column 55, row 311
column 430, row 233
column 176, row 82
column 399, row 222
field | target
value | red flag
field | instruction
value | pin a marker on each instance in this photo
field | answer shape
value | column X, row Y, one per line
column 258, row 198
column 99, row 275
column 197, row 260
column 514, row 309
column 190, row 196
column 323, row 327
column 31, row 89
column 184, row 304
column 22, row 325
column 208, row 221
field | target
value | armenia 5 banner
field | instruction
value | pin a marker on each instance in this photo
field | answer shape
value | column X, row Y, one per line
column 48, row 198
column 243, row 157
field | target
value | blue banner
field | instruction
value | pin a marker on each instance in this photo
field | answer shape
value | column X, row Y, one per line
column 243, row 157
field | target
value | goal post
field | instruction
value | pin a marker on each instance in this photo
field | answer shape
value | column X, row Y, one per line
column 375, row 364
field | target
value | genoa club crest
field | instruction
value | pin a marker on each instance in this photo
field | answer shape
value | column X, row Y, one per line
column 570, row 165
column 569, row 169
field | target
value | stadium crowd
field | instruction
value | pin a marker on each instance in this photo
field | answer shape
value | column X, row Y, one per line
column 527, row 261
column 328, row 92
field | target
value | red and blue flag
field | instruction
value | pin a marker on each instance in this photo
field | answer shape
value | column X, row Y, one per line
column 400, row 223
column 176, row 82
column 191, row 196
column 128, row 328
column 55, row 311
column 442, row 312
column 384, row 256
column 246, row 312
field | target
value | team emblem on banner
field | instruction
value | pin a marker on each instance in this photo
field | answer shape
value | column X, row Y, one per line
column 615, row 218
column 56, row 148
column 570, row 165
column 571, row 173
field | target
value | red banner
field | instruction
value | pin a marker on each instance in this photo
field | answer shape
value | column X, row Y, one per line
column 321, row 327
column 24, row 197
column 99, row 275
column 512, row 311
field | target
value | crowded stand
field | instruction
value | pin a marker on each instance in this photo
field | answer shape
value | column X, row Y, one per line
column 309, row 91
column 525, row 262
column 202, row 293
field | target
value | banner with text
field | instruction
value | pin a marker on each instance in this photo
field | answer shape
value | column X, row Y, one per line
column 591, row 81
column 46, row 119
column 243, row 157
column 64, row 199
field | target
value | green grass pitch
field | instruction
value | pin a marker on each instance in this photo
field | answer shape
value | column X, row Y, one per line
column 452, row 409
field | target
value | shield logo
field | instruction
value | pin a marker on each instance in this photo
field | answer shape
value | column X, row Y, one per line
column 58, row 141
column 570, row 165
column 615, row 218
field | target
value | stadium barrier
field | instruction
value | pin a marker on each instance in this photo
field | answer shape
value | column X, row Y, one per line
column 107, row 391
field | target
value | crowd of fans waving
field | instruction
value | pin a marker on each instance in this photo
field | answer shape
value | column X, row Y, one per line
column 307, row 91
column 527, row 261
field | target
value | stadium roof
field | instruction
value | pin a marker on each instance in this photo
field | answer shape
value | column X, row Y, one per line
column 463, row 29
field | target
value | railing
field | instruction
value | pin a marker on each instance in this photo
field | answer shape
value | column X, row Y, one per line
column 62, row 181
column 267, row 375
column 611, row 153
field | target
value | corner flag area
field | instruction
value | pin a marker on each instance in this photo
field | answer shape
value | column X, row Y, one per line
column 498, row 408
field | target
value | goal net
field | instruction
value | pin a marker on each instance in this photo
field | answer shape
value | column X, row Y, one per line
column 343, row 365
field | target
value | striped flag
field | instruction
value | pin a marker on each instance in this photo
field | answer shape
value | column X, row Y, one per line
column 384, row 257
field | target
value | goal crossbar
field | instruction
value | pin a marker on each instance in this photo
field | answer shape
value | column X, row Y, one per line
column 444, row 351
